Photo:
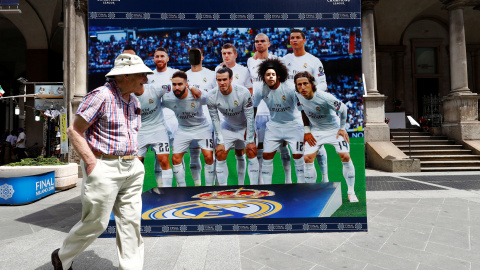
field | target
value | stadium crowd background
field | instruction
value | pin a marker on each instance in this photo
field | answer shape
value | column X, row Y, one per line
column 328, row 44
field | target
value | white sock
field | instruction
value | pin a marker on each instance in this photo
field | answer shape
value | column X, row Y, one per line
column 167, row 178
column 349, row 174
column 209, row 174
column 241, row 167
column 179, row 172
column 158, row 173
column 310, row 173
column 322, row 162
column 267, row 171
column 260, row 161
column 300, row 169
column 222, row 172
column 196, row 165
column 287, row 164
column 253, row 170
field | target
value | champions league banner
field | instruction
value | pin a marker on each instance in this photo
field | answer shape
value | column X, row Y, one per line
column 332, row 34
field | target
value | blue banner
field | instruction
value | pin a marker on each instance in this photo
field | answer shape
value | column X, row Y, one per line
column 20, row 190
column 8, row 2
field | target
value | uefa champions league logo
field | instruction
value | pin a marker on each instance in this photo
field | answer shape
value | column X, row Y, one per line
column 6, row 191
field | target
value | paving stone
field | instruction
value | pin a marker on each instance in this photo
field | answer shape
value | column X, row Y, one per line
column 397, row 214
column 374, row 239
column 285, row 242
column 373, row 267
column 450, row 238
column 248, row 264
column 193, row 254
column 452, row 224
column 249, row 241
column 410, row 238
column 424, row 257
column 163, row 252
column 327, row 241
column 375, row 258
column 453, row 252
column 319, row 267
column 403, row 224
column 223, row 253
column 325, row 258
column 275, row 259
column 460, row 212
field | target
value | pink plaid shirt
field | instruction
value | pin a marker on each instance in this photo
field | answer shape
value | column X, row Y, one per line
column 114, row 122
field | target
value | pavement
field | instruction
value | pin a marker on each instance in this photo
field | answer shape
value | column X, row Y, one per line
column 415, row 221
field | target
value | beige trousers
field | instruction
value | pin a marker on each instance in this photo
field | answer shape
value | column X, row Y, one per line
column 112, row 185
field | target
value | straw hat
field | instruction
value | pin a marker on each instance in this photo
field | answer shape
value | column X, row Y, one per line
column 128, row 64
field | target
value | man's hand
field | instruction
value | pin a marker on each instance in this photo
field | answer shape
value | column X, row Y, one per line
column 220, row 148
column 252, row 149
column 89, row 167
column 309, row 139
column 196, row 93
column 344, row 134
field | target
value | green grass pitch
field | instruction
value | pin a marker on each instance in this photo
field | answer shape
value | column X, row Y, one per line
column 335, row 174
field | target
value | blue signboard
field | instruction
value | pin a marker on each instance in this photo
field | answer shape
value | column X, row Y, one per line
column 8, row 2
column 20, row 190
column 243, row 209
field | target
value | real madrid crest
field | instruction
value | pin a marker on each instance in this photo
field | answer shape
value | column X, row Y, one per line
column 317, row 108
column 235, row 103
column 192, row 105
column 236, row 76
column 284, row 98
column 205, row 79
column 150, row 101
column 305, row 65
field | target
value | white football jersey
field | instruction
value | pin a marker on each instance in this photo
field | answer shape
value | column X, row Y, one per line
column 188, row 111
column 163, row 80
column 205, row 80
column 306, row 62
column 321, row 110
column 152, row 114
column 241, row 76
column 282, row 103
column 252, row 65
column 236, row 108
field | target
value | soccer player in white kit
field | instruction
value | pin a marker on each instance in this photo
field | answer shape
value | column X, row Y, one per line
column 204, row 79
column 192, row 127
column 236, row 130
column 324, row 128
column 240, row 76
column 300, row 60
column 280, row 97
column 161, row 78
column 262, row 43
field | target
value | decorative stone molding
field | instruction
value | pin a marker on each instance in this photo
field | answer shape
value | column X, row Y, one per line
column 369, row 4
column 453, row 4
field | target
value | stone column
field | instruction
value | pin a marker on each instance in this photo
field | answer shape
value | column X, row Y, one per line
column 374, row 102
column 75, row 59
column 461, row 105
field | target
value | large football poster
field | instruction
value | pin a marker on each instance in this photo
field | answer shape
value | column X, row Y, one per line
column 332, row 30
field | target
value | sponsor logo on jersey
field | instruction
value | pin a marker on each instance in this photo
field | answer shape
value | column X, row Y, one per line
column 249, row 102
column 150, row 101
column 321, row 72
column 305, row 65
column 192, row 105
column 284, row 98
column 241, row 203
column 235, row 103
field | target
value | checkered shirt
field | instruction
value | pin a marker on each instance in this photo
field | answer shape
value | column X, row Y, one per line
column 114, row 121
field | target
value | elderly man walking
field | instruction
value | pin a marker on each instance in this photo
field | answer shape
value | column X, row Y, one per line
column 104, row 133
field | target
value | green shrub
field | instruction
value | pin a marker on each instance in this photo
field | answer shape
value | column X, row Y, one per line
column 39, row 161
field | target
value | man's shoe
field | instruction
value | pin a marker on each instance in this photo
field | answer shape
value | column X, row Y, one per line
column 57, row 263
